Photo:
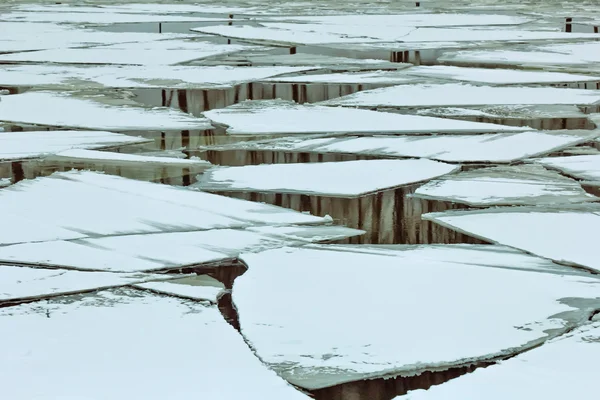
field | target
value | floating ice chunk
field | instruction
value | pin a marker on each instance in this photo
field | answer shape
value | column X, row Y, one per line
column 31, row 144
column 109, row 341
column 332, row 179
column 463, row 95
column 586, row 167
column 287, row 298
column 514, row 185
column 569, row 359
column 273, row 117
column 91, row 156
column 63, row 109
column 564, row 234
column 201, row 287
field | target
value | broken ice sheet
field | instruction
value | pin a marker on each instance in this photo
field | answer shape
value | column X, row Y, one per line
column 364, row 287
column 454, row 94
column 92, row 112
column 111, row 341
column 18, row 283
column 495, row 148
column 166, row 251
column 71, row 205
column 272, row 117
column 565, row 234
column 156, row 52
column 100, row 18
column 585, row 167
column 496, row 76
column 31, row 144
column 199, row 287
column 333, row 179
column 315, row 60
column 135, row 8
column 372, row 77
column 512, row 185
column 570, row 359
column 66, row 76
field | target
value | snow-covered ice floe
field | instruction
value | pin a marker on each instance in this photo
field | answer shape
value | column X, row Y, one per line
column 273, row 117
column 92, row 221
column 89, row 112
column 454, row 94
column 370, row 77
column 493, row 148
column 343, row 326
column 564, row 234
column 111, row 340
column 152, row 53
column 570, row 359
column 317, row 60
column 20, row 283
column 584, row 167
column 99, row 18
column 197, row 287
column 512, row 185
column 184, row 77
column 32, row 144
column 333, row 179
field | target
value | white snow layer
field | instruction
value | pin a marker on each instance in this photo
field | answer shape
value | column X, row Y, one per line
column 136, row 77
column 63, row 109
column 106, row 18
column 513, row 185
column 329, row 314
column 74, row 205
column 374, row 77
column 270, row 117
column 201, row 287
column 93, row 156
column 564, row 234
column 453, row 94
column 31, row 144
column 496, row 148
column 151, row 53
column 586, row 167
column 127, row 343
column 568, row 361
column 334, row 179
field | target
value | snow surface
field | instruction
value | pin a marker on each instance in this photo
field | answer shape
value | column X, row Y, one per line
column 135, row 77
column 201, row 287
column 417, row 20
column 333, row 179
column 271, row 117
column 496, row 148
column 66, row 110
column 22, row 283
column 152, row 53
column 4, row 182
column 496, row 76
column 134, row 8
column 364, row 290
column 19, row 36
column 565, row 234
column 125, row 344
column 31, row 144
column 72, row 205
column 585, row 167
column 99, row 18
column 316, row 60
column 160, row 251
column 513, row 185
column 570, row 360
column 454, row 94
column 374, row 77
column 91, row 156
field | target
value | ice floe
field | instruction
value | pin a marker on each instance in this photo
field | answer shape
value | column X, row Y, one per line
column 109, row 341
column 20, row 283
column 156, row 52
column 373, row 77
column 75, row 205
column 99, row 18
column 335, row 179
column 200, row 287
column 584, row 167
column 32, row 144
column 365, row 287
column 493, row 148
column 451, row 94
column 187, row 77
column 569, row 359
column 89, row 112
column 272, row 117
column 563, row 233
column 513, row 185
